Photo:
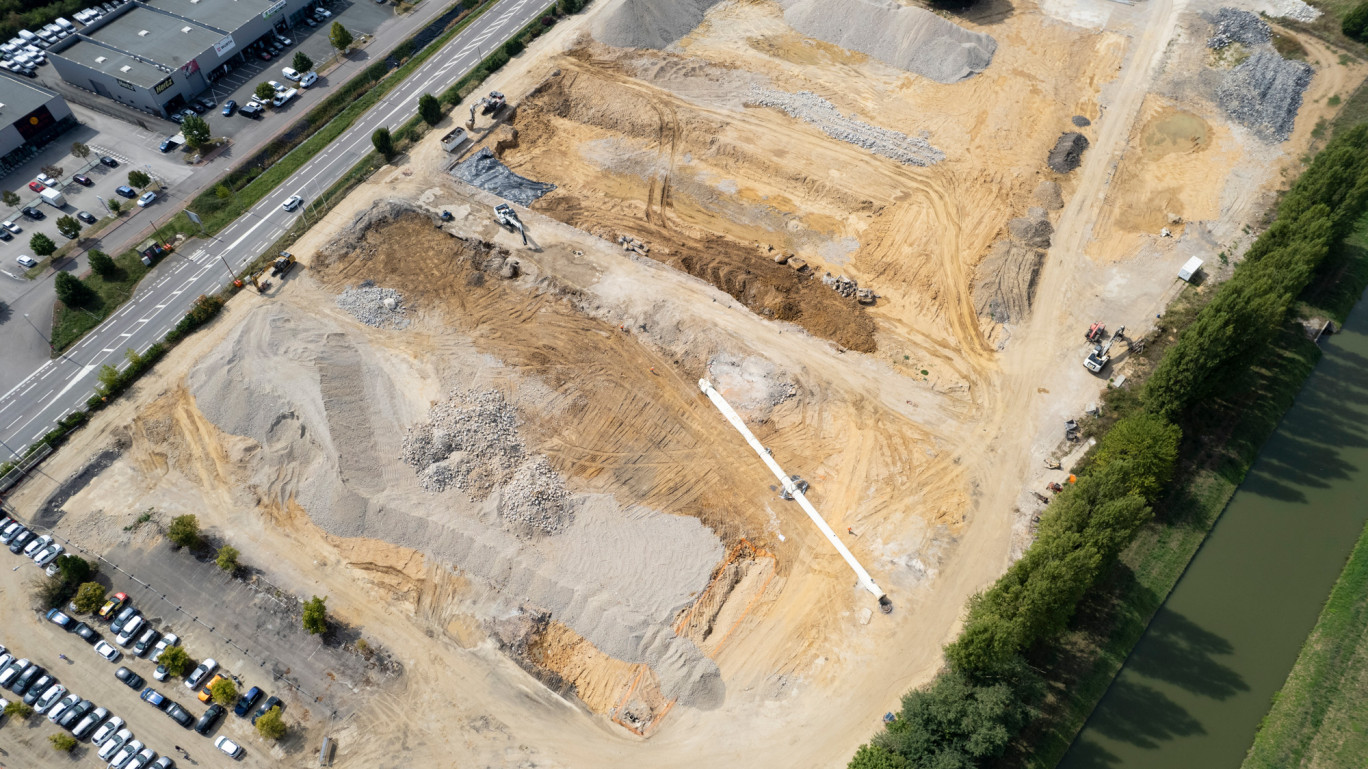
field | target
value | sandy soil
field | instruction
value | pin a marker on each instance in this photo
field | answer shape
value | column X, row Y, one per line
column 680, row 612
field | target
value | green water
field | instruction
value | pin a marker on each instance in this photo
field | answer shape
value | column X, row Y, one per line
column 1193, row 690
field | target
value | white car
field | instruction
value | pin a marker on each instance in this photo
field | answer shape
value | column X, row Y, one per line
column 323, row 13
column 26, row 261
column 46, row 180
column 48, row 555
column 146, row 199
column 12, row 227
column 284, row 40
column 49, row 698
column 123, row 754
column 88, row 723
column 308, row 79
column 130, row 631
column 170, row 639
column 108, row 652
column 106, row 731
column 200, row 673
column 291, row 74
column 115, row 743
column 292, row 203
column 141, row 760
column 228, row 746
column 277, row 86
column 14, row 670
column 37, row 545
column 64, row 704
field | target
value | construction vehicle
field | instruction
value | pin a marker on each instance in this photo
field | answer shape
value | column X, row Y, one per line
column 1101, row 354
column 1095, row 333
column 508, row 218
column 283, row 264
column 491, row 103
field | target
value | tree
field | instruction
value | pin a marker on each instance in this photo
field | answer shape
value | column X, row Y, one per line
column 68, row 226
column 80, row 150
column 302, row 63
column 102, row 264
column 384, row 143
column 876, row 757
column 316, row 615
column 89, row 597
column 227, row 558
column 176, row 660
column 1355, row 24
column 18, row 709
column 184, row 531
column 224, row 692
column 115, row 207
column 1149, row 443
column 568, row 7
column 63, row 743
column 270, row 725
column 222, row 192
column 76, row 570
column 10, row 199
column 264, row 92
column 340, row 38
column 71, row 290
column 430, row 109
column 138, row 179
column 196, row 131
column 954, row 722
column 513, row 47
column 53, row 171
column 41, row 244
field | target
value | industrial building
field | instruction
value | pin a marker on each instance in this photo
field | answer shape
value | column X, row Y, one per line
column 157, row 55
column 30, row 118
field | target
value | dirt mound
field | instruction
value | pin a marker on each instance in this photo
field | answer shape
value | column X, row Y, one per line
column 1068, row 152
column 901, row 36
column 1048, row 194
column 650, row 23
column 1006, row 280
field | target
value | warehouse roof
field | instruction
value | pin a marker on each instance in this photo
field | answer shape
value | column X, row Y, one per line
column 115, row 63
column 155, row 36
column 18, row 98
column 225, row 15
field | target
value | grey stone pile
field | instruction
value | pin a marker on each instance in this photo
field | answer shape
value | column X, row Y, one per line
column 650, row 23
column 1233, row 26
column 811, row 108
column 535, row 499
column 1264, row 94
column 485, row 171
column 374, row 306
column 1080, row 121
column 1068, row 152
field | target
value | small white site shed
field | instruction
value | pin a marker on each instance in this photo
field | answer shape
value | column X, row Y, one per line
column 1190, row 269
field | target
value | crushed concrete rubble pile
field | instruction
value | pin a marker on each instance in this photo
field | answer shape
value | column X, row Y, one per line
column 1068, row 152
column 374, row 306
column 1264, row 94
column 1291, row 9
column 485, row 171
column 902, row 36
column 650, row 23
column 470, row 442
column 848, row 287
column 811, row 108
column 1232, row 26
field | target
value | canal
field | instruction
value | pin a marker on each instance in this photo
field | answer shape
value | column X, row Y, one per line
column 1205, row 672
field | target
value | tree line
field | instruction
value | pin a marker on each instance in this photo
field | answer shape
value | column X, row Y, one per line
column 978, row 704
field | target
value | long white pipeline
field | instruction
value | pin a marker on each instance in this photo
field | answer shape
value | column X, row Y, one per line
column 721, row 403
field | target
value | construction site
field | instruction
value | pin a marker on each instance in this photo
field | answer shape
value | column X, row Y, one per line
column 472, row 415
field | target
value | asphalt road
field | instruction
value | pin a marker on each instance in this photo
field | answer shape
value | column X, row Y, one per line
column 63, row 385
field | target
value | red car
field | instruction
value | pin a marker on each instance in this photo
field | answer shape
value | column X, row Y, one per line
column 113, row 605
column 36, row 186
column 265, row 55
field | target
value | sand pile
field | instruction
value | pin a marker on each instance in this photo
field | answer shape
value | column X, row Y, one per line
column 811, row 108
column 901, row 36
column 650, row 23
column 330, row 415
column 1048, row 194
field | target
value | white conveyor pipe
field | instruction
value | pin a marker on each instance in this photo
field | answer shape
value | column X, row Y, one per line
column 866, row 581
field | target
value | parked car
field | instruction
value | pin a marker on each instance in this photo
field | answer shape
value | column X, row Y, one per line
column 161, row 673
column 290, row 74
column 21, row 541
column 323, row 13
column 50, row 697
column 141, row 760
column 86, row 632
column 251, row 110
column 229, row 107
column 56, row 711
column 86, row 217
column 11, row 529
column 48, row 180
column 248, row 700
column 154, row 698
column 25, row 680
column 271, row 702
column 88, row 724
column 168, row 144
column 207, row 102
column 175, row 117
column 11, row 673
column 83, row 180
column 125, row 191
column 38, row 688
column 5, row 235
column 180, row 715
column 164, row 762
column 56, row 617
column 12, row 227
column 277, row 85
column 73, row 715
column 114, row 744
column 170, row 639
column 33, row 213
column 106, row 731
column 264, row 55
column 146, row 199
column 308, row 79
column 144, row 643
column 33, row 548
column 200, row 673
column 129, row 678
column 210, row 717
column 122, row 618
column 108, row 652
column 125, row 754
column 130, row 630
column 37, row 186
column 112, row 606
column 292, row 203
column 204, row 694
column 230, row 748
column 48, row 554
column 108, row 161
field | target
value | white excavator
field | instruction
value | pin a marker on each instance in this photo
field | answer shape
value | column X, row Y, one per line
column 1101, row 354
column 508, row 218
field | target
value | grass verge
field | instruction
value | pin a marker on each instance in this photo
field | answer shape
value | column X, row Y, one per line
column 71, row 323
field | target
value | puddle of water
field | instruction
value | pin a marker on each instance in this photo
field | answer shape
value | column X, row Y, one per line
column 1175, row 131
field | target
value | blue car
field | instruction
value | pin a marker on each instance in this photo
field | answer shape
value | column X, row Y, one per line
column 125, row 191
column 229, row 107
column 154, row 698
column 244, row 705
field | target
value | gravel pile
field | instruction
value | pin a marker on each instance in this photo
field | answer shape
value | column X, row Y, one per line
column 1048, row 194
column 1292, row 9
column 483, row 170
column 1080, row 121
column 650, row 23
column 1233, row 26
column 1264, row 93
column 1068, row 152
column 534, row 499
column 374, row 306
column 811, row 108
column 901, row 36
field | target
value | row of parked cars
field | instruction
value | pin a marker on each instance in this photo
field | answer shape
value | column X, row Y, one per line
column 21, row 541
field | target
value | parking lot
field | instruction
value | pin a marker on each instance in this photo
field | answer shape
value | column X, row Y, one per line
column 253, row 634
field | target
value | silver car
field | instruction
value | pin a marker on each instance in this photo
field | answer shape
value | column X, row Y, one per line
column 125, row 754
column 115, row 744
column 49, row 698
column 88, row 724
column 106, row 731
column 61, row 707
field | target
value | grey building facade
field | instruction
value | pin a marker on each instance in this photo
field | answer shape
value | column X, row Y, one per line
column 30, row 118
column 157, row 55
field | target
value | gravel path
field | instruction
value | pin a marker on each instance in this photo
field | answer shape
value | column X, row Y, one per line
column 811, row 108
